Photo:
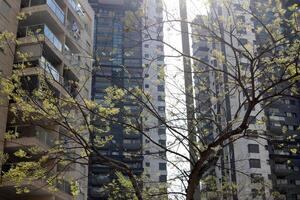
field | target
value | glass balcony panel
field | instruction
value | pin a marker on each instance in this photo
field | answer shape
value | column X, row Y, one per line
column 49, row 68
column 40, row 29
column 44, row 137
column 49, row 34
column 52, row 5
column 57, row 10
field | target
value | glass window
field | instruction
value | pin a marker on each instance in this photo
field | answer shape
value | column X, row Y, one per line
column 162, row 142
column 161, row 131
column 161, row 108
column 162, row 166
column 254, row 163
column 161, row 88
column 253, row 148
column 160, row 98
column 163, row 178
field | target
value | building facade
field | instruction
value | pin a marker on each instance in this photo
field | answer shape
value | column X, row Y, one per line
column 57, row 36
column 118, row 63
column 269, row 161
column 155, row 164
column 130, row 56
column 9, row 24
column 244, row 163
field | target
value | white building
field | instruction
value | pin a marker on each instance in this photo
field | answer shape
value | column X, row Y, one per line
column 155, row 165
column 248, row 157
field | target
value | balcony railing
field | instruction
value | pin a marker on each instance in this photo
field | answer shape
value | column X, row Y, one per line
column 49, row 68
column 76, row 6
column 281, row 152
column 44, row 137
column 52, row 5
column 57, row 10
column 40, row 29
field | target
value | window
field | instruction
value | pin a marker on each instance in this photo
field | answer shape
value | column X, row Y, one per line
column 147, row 164
column 253, row 148
column 146, row 75
column 160, row 58
column 146, row 45
column 146, row 55
column 161, row 108
column 162, row 166
column 163, row 178
column 161, row 131
column 281, row 181
column 254, row 163
column 252, row 120
column 160, row 98
column 292, row 102
column 161, row 88
column 146, row 86
column 162, row 142
column 147, row 141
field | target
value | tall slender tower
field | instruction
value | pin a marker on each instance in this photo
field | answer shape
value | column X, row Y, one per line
column 118, row 62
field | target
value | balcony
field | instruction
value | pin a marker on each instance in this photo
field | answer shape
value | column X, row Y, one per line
column 281, row 152
column 37, row 30
column 132, row 146
column 50, row 3
column 48, row 67
column 31, row 136
column 76, row 6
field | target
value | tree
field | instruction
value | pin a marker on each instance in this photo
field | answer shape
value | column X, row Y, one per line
column 255, row 76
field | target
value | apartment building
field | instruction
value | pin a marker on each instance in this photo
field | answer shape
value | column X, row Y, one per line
column 118, row 62
column 282, row 115
column 246, row 157
column 58, row 38
column 8, row 23
column 155, row 164
column 269, row 160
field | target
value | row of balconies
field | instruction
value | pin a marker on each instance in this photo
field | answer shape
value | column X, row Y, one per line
column 58, row 11
column 59, row 22
column 42, row 31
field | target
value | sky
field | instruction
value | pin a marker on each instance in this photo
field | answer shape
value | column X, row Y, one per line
column 175, row 84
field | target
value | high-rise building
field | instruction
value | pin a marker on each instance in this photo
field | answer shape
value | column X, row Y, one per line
column 57, row 36
column 9, row 24
column 155, row 164
column 118, row 62
column 282, row 120
column 129, row 57
column 251, row 163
